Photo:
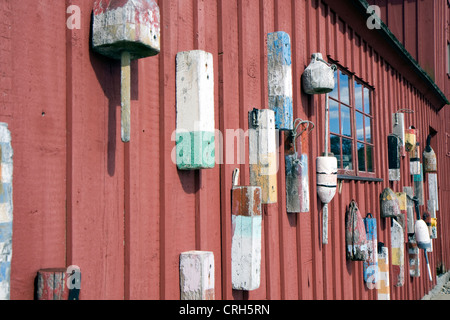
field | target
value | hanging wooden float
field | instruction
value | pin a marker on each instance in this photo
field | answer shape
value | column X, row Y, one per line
column 126, row 30
column 384, row 291
column 389, row 204
column 326, row 187
column 296, row 164
column 197, row 275
column 355, row 234
column 280, row 79
column 429, row 157
column 398, row 253
column 413, row 256
column 195, row 128
column 370, row 265
column 246, row 221
column 263, row 153
column 414, row 160
column 394, row 144
column 410, row 138
column 318, row 77
column 410, row 217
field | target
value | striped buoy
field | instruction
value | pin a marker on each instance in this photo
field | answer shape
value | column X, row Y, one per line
column 414, row 160
column 326, row 187
column 394, row 145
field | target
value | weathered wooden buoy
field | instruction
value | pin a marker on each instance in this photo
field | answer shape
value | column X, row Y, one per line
column 401, row 219
column 296, row 164
column 384, row 291
column 409, row 191
column 410, row 138
column 6, row 211
column 197, row 275
column 326, row 170
column 58, row 283
column 318, row 77
column 433, row 189
column 418, row 185
column 195, row 127
column 413, row 256
column 422, row 236
column 355, row 234
column 429, row 157
column 263, row 153
column 414, row 160
column 389, row 204
column 398, row 129
column 370, row 265
column 246, row 236
column 394, row 144
column 280, row 79
column 126, row 30
column 398, row 253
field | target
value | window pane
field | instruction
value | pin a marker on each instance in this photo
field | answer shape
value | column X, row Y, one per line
column 368, row 130
column 345, row 121
column 335, row 148
column 369, row 150
column 359, row 126
column 334, row 116
column 344, row 88
column 334, row 93
column 347, row 157
column 361, row 157
column 367, row 107
column 358, row 96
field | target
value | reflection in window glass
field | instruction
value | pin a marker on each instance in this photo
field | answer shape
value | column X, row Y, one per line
column 368, row 130
column 369, row 150
column 359, row 126
column 361, row 157
column 335, row 148
column 346, row 122
column 367, row 100
column 334, row 117
column 347, row 158
column 358, row 96
column 344, row 88
column 334, row 94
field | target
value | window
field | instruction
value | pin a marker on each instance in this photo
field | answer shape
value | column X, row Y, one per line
column 351, row 125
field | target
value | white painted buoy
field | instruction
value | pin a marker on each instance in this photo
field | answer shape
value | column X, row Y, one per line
column 326, row 169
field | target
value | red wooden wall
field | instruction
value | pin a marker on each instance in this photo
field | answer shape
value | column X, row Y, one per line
column 124, row 213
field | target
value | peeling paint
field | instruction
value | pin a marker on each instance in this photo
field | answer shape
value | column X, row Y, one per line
column 126, row 25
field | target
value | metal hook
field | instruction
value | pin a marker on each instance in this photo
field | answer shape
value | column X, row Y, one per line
column 405, row 111
column 235, row 177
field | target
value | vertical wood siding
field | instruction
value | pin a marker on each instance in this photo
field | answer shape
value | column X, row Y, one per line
column 124, row 213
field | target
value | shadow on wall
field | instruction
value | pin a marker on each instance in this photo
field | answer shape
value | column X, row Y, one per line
column 108, row 73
